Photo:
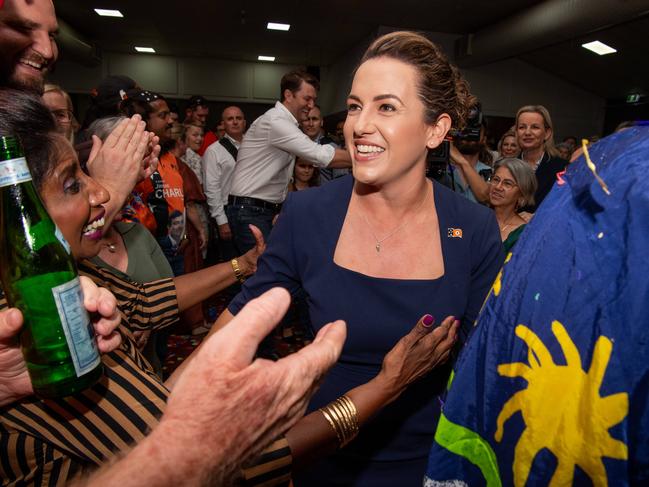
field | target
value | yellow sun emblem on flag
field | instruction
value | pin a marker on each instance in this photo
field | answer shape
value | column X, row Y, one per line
column 563, row 410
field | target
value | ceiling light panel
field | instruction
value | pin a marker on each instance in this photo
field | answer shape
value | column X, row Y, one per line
column 108, row 13
column 278, row 26
column 266, row 58
column 144, row 49
column 599, row 48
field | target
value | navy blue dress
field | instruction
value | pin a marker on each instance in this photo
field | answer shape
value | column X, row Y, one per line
column 392, row 449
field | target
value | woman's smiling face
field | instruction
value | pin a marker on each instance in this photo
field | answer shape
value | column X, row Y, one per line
column 194, row 137
column 303, row 172
column 503, row 189
column 386, row 132
column 531, row 131
column 510, row 147
column 74, row 201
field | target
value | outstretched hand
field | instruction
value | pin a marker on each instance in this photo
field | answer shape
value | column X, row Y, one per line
column 233, row 404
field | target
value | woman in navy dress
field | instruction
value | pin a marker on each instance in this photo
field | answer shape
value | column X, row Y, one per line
column 382, row 248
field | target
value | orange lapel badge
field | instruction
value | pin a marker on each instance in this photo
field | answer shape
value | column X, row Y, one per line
column 455, row 233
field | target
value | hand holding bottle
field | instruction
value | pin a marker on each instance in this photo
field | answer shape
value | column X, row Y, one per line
column 14, row 379
column 104, row 315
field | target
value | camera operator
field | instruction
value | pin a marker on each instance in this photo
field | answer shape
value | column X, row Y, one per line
column 471, row 160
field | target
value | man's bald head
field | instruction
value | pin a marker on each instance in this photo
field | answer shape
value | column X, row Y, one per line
column 27, row 43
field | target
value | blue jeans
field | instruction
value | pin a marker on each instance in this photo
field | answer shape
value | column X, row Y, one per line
column 240, row 216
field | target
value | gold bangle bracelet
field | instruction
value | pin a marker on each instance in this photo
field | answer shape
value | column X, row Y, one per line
column 237, row 271
column 332, row 423
column 348, row 411
column 340, row 420
column 342, row 416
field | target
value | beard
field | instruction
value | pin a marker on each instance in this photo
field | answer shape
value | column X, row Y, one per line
column 35, row 85
column 12, row 78
column 468, row 147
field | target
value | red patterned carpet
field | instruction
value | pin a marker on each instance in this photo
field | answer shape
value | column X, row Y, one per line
column 287, row 338
column 180, row 346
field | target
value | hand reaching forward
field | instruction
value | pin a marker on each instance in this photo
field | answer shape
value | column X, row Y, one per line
column 233, row 405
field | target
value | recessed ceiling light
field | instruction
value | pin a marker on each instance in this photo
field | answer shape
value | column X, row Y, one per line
column 108, row 13
column 599, row 48
column 276, row 26
column 265, row 58
column 144, row 49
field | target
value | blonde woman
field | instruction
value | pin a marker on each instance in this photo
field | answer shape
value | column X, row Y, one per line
column 535, row 133
column 60, row 106
column 508, row 145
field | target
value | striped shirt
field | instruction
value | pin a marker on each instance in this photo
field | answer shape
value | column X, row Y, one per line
column 49, row 441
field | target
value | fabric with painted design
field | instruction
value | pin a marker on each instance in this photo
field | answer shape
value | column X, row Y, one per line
column 553, row 388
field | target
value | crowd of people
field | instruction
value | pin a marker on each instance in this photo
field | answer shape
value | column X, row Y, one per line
column 162, row 213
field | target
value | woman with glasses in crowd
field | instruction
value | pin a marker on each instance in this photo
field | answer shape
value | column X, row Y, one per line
column 512, row 187
column 60, row 105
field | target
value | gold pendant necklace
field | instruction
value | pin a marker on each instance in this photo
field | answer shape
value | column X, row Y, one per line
column 505, row 224
column 378, row 241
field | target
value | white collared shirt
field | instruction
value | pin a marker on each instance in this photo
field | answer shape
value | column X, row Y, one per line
column 267, row 155
column 218, row 170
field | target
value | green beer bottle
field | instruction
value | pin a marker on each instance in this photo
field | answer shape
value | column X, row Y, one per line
column 39, row 277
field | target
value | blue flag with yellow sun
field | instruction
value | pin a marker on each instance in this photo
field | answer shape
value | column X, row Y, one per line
column 553, row 387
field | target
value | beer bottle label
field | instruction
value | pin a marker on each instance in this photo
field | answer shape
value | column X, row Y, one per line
column 78, row 330
column 14, row 171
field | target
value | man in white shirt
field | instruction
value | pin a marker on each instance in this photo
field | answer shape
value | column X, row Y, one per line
column 218, row 168
column 267, row 155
